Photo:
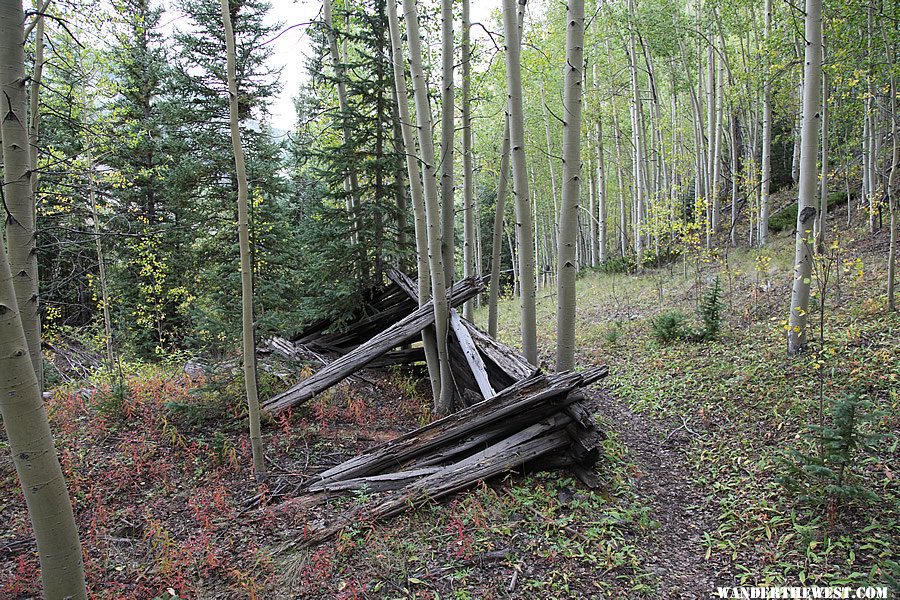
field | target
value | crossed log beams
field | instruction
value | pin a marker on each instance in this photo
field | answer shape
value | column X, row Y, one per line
column 538, row 423
column 363, row 355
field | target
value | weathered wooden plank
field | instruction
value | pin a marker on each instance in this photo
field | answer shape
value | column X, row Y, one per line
column 377, row 483
column 513, row 364
column 473, row 358
column 395, row 335
column 550, row 393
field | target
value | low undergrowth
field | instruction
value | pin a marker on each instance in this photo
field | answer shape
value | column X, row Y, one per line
column 750, row 408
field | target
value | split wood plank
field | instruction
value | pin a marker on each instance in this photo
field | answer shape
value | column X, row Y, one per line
column 528, row 400
column 395, row 335
column 473, row 357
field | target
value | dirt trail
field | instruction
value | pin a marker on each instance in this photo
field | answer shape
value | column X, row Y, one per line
column 675, row 551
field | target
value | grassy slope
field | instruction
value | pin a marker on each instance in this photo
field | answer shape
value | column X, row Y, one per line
column 159, row 475
column 748, row 403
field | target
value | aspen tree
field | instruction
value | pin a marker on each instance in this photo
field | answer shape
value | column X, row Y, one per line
column 248, row 336
column 21, row 405
column 444, row 401
column 567, row 268
column 823, row 180
column 417, row 196
column 766, row 172
column 497, row 239
column 806, row 209
column 448, row 134
column 469, row 241
column 500, row 208
column 19, row 191
column 892, row 201
column 351, row 179
column 524, row 223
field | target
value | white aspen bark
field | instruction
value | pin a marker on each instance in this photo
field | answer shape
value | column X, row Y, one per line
column 710, row 139
column 567, row 267
column 417, row 196
column 872, row 167
column 637, row 135
column 500, row 210
column 468, row 162
column 766, row 160
column 17, row 188
column 892, row 201
column 735, row 167
column 823, row 180
column 553, row 192
column 448, row 134
column 101, row 266
column 21, row 405
column 497, row 239
column 806, row 209
column 864, row 181
column 717, row 148
column 594, row 248
column 248, row 334
column 524, row 224
column 351, row 180
column 623, row 192
column 443, row 403
column 601, row 196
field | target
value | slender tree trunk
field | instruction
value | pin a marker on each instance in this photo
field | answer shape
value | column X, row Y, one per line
column 567, row 268
column 892, row 201
column 806, row 209
column 18, row 190
column 601, row 196
column 823, row 182
column 623, row 192
column 417, row 195
column 448, row 132
column 443, row 403
column 468, row 163
column 500, row 210
column 637, row 134
column 524, row 224
column 554, row 195
column 497, row 239
column 717, row 148
column 248, row 334
column 766, row 166
column 101, row 266
column 21, row 406
column 351, row 183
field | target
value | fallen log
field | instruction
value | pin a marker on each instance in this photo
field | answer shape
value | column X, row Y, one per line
column 397, row 334
column 513, row 409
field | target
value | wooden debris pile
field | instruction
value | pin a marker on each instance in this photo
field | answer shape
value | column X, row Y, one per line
column 540, row 423
column 480, row 364
column 516, row 417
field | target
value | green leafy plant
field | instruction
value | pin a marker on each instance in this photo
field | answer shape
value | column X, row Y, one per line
column 669, row 326
column 710, row 313
column 829, row 477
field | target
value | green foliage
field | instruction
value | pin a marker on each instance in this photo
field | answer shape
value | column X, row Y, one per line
column 618, row 264
column 786, row 218
column 710, row 313
column 669, row 326
column 831, row 475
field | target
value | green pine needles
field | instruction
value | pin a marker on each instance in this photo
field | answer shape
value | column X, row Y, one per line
column 672, row 325
column 829, row 477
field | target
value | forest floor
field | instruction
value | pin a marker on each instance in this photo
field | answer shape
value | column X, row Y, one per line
column 693, row 472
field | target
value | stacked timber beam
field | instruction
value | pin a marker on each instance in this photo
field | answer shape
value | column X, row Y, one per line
column 540, row 423
column 400, row 332
column 516, row 418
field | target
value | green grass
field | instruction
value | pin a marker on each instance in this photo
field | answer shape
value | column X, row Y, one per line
column 750, row 403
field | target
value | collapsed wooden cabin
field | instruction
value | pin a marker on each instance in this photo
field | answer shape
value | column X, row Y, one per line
column 511, row 417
